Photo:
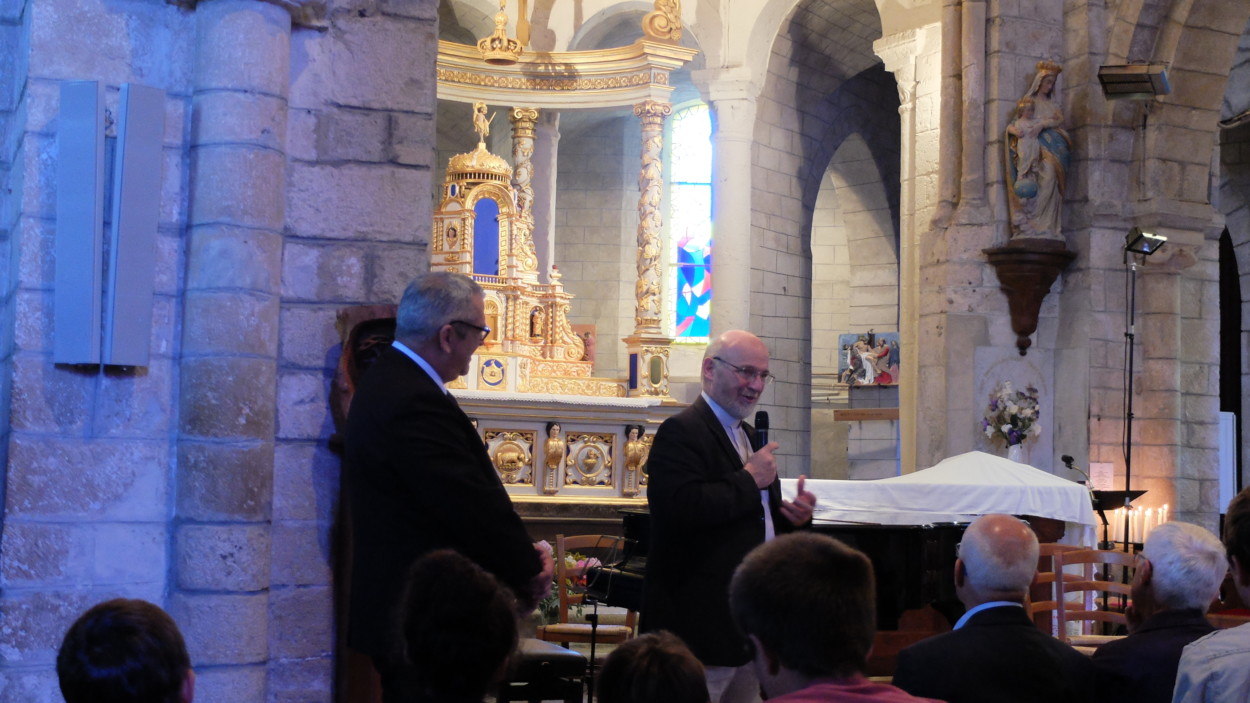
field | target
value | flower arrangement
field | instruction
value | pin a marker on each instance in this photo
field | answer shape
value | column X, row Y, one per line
column 1012, row 414
column 575, row 566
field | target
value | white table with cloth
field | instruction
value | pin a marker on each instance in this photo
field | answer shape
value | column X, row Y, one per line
column 957, row 489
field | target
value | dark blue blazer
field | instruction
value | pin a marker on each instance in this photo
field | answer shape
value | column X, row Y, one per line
column 1141, row 668
column 419, row 479
column 706, row 514
column 998, row 656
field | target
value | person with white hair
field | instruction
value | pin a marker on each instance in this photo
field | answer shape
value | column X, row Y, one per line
column 995, row 653
column 1178, row 575
column 1216, row 668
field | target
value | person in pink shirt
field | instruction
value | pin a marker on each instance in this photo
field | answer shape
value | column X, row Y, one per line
column 807, row 604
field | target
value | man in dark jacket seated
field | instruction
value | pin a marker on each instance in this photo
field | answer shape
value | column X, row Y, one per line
column 1177, row 577
column 995, row 653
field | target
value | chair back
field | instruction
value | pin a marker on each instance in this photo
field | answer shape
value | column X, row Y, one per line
column 1043, row 602
column 1096, row 578
column 584, row 552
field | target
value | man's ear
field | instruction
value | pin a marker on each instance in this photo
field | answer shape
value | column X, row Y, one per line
column 187, row 693
column 1241, row 579
column 444, row 337
column 961, row 573
column 762, row 654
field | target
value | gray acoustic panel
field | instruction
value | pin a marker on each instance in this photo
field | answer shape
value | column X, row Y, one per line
column 132, row 232
column 79, row 224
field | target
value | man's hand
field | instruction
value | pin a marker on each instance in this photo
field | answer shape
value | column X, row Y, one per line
column 799, row 511
column 763, row 465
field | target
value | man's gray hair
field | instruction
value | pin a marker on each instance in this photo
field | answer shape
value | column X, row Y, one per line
column 432, row 300
column 1001, row 566
column 1187, row 565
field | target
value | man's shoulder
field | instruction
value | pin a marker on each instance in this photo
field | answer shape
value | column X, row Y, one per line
column 1235, row 640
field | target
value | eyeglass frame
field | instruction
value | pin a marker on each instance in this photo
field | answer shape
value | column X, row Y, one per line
column 483, row 331
column 748, row 373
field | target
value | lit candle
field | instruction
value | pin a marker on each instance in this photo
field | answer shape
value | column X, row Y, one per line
column 1149, row 524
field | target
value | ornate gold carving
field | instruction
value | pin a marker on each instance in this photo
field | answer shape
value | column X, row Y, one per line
column 479, row 161
column 590, row 459
column 597, row 388
column 664, row 22
column 499, row 49
column 574, row 369
column 650, row 220
column 459, row 384
column 545, row 83
column 637, row 449
column 646, row 454
column 522, row 155
column 512, row 454
column 554, row 452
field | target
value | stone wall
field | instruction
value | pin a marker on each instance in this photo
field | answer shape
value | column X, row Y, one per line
column 596, row 239
column 296, row 178
column 89, row 481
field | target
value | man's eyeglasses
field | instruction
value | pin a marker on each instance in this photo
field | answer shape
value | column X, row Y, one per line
column 483, row 332
column 747, row 373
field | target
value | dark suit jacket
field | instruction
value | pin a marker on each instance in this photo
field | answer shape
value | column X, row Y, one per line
column 419, row 479
column 706, row 515
column 998, row 656
column 1141, row 668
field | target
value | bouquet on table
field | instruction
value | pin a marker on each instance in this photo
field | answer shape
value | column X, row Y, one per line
column 1012, row 414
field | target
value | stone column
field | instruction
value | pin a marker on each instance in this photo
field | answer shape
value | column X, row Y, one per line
column 972, row 207
column 732, row 97
column 523, row 119
column 227, row 401
column 648, row 348
column 546, row 151
column 899, row 54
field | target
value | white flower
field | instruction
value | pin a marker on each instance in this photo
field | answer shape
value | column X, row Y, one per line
column 989, row 430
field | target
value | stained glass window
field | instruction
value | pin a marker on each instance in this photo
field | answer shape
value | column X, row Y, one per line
column 690, row 222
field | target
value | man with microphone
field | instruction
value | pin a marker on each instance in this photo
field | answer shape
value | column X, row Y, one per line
column 714, row 496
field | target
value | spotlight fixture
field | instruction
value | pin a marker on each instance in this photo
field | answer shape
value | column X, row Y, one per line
column 1137, row 81
column 1139, row 241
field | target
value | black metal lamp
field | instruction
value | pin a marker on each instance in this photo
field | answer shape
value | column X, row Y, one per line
column 1139, row 241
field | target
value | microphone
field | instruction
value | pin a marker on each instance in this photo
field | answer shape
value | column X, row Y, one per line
column 761, row 430
column 1067, row 460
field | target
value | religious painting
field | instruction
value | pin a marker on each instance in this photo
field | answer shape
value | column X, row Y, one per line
column 868, row 359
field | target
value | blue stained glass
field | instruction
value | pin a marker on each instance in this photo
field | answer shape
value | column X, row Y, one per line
column 690, row 222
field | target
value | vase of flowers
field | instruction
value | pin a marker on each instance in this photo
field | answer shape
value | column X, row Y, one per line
column 1011, row 417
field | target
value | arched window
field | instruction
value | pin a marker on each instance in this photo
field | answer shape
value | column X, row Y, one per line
column 690, row 223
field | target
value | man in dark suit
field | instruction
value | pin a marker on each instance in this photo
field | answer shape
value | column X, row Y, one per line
column 418, row 476
column 712, row 500
column 995, row 653
column 1179, row 574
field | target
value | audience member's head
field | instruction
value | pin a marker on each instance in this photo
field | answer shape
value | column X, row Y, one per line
column 125, row 651
column 808, row 604
column 1187, row 565
column 1237, row 537
column 432, row 300
column 458, row 626
column 997, row 560
column 652, row 668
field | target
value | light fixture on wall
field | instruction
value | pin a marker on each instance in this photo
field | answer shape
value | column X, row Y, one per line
column 1136, row 81
column 1139, row 241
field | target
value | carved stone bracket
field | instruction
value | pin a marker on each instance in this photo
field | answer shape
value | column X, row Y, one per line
column 1026, row 270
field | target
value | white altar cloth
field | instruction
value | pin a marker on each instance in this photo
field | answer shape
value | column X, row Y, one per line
column 957, row 489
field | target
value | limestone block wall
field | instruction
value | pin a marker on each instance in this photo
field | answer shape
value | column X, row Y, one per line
column 359, row 173
column 13, row 53
column 596, row 239
column 89, row 483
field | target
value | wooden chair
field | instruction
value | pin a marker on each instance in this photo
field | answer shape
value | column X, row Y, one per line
column 1043, row 602
column 1095, row 604
column 572, row 586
